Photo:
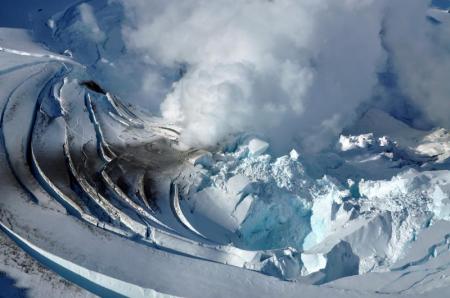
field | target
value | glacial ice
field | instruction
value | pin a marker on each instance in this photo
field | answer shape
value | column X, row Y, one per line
column 202, row 158
column 304, row 220
column 257, row 147
column 369, row 222
column 294, row 154
column 360, row 208
column 352, row 142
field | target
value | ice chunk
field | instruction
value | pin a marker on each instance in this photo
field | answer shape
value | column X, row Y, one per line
column 242, row 209
column 257, row 147
column 384, row 141
column 347, row 143
column 51, row 24
column 294, row 154
column 341, row 262
column 313, row 262
column 211, row 211
column 239, row 184
column 284, row 264
column 203, row 158
column 324, row 211
column 441, row 202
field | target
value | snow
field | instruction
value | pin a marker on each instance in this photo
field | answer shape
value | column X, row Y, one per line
column 257, row 147
column 352, row 142
column 294, row 154
column 21, row 275
column 239, row 185
column 202, row 158
column 105, row 284
column 113, row 201
column 437, row 143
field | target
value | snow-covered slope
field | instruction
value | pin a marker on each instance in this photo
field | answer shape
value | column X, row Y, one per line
column 113, row 201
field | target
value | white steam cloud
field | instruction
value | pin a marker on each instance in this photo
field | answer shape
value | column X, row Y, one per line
column 289, row 69
column 420, row 51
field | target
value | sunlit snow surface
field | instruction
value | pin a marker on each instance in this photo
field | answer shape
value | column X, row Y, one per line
column 109, row 198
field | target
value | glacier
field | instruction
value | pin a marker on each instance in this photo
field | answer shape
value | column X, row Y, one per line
column 109, row 197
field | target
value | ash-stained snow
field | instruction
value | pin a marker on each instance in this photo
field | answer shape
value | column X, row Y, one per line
column 22, row 276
